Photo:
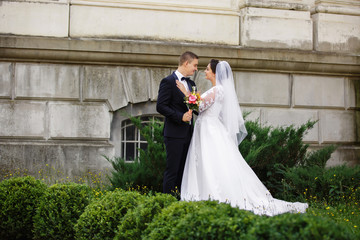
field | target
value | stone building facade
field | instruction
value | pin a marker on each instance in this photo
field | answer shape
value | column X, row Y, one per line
column 70, row 68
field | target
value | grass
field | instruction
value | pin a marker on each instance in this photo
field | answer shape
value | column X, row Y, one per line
column 345, row 211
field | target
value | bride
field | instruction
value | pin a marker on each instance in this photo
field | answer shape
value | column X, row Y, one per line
column 215, row 169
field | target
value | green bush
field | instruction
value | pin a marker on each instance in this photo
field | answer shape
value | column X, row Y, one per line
column 335, row 184
column 59, row 209
column 164, row 223
column 135, row 221
column 102, row 217
column 149, row 168
column 271, row 152
column 19, row 198
column 220, row 221
column 298, row 226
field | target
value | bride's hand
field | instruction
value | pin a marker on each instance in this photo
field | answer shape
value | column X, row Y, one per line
column 182, row 88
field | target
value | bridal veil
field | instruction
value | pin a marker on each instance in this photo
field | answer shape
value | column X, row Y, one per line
column 230, row 115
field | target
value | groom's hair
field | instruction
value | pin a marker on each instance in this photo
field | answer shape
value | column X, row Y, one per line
column 187, row 56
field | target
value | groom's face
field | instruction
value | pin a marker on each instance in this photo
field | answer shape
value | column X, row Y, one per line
column 191, row 67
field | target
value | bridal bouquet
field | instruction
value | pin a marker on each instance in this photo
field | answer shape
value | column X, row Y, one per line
column 193, row 100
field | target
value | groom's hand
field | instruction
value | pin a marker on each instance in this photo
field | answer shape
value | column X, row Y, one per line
column 187, row 116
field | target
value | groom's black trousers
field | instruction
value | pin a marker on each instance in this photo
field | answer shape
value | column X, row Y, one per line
column 176, row 151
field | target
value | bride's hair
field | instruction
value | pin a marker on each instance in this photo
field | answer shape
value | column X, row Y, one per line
column 213, row 64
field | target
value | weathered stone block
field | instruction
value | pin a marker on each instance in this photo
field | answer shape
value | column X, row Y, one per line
column 349, row 155
column 338, row 126
column 46, row 18
column 22, row 119
column 336, row 33
column 262, row 88
column 296, row 117
column 137, row 84
column 273, row 28
column 318, row 91
column 142, row 22
column 253, row 114
column 78, row 160
column 105, row 83
column 156, row 75
column 47, row 81
column 5, row 80
column 79, row 121
column 352, row 93
column 56, row 161
column 11, row 157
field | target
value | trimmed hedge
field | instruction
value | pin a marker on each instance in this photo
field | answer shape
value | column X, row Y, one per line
column 298, row 226
column 198, row 220
column 28, row 206
column 136, row 220
column 220, row 221
column 59, row 209
column 163, row 223
column 102, row 217
column 19, row 198
column 212, row 220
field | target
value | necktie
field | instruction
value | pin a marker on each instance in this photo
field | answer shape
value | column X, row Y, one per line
column 185, row 83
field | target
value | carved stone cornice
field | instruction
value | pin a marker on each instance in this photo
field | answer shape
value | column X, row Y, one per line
column 299, row 5
column 165, row 54
column 346, row 7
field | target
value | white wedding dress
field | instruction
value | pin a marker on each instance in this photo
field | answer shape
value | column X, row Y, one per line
column 216, row 170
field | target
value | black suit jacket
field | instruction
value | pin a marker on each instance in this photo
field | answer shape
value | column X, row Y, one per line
column 170, row 103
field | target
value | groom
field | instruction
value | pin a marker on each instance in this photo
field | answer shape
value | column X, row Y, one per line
column 177, row 130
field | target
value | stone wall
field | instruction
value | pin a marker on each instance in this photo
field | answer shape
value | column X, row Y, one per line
column 70, row 67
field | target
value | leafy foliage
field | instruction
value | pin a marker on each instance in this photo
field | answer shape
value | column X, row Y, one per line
column 136, row 220
column 220, row 221
column 129, row 215
column 335, row 184
column 19, row 198
column 101, row 217
column 59, row 209
column 164, row 223
column 148, row 170
column 298, row 226
column 270, row 152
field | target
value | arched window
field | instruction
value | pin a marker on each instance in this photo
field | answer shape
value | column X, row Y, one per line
column 131, row 139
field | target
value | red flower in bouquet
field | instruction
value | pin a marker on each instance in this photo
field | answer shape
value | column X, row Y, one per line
column 193, row 100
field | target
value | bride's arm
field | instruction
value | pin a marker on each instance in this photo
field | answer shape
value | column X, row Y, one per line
column 208, row 99
column 182, row 88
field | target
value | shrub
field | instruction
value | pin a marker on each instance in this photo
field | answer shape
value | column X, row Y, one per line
column 214, row 222
column 164, row 223
column 270, row 152
column 102, row 217
column 125, row 174
column 149, row 168
column 135, row 221
column 298, row 226
column 335, row 184
column 19, row 198
column 59, row 209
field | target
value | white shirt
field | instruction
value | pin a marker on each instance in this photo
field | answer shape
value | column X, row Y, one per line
column 179, row 76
